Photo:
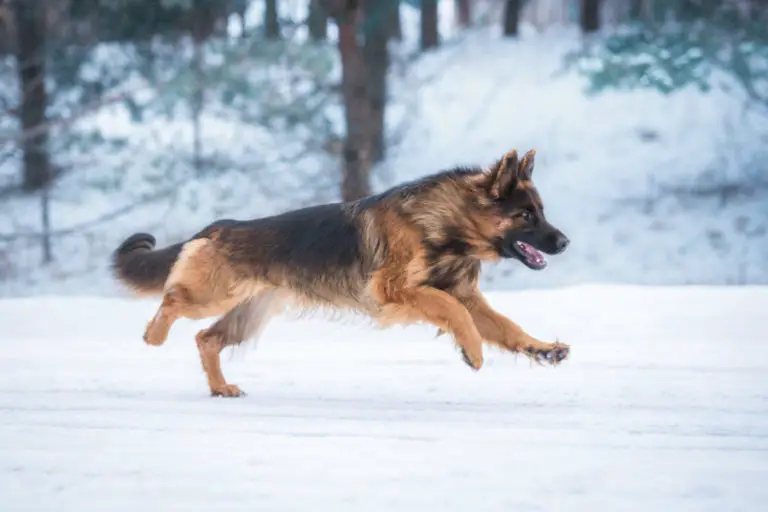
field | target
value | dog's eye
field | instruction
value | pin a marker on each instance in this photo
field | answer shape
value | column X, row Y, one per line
column 527, row 216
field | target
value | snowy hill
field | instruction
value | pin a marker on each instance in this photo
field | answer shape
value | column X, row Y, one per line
column 651, row 189
column 663, row 405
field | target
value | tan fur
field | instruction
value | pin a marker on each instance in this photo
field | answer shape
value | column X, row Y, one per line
column 245, row 321
column 500, row 330
column 201, row 284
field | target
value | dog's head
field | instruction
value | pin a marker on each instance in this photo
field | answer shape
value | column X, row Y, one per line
column 515, row 213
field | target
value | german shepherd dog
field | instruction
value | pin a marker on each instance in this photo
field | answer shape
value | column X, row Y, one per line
column 410, row 254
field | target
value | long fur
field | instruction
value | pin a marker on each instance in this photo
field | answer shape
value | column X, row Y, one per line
column 410, row 254
column 137, row 264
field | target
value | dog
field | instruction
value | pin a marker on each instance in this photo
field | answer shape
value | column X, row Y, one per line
column 410, row 254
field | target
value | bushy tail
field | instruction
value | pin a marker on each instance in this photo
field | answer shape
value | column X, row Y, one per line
column 139, row 266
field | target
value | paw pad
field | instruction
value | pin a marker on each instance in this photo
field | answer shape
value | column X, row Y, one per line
column 552, row 355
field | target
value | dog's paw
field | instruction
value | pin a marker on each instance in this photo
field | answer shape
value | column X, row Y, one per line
column 227, row 390
column 475, row 362
column 551, row 353
column 152, row 336
column 155, row 342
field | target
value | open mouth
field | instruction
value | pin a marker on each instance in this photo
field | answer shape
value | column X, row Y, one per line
column 532, row 258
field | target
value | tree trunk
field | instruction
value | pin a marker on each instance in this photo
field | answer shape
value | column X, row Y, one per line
column 197, row 108
column 271, row 21
column 355, row 182
column 379, row 27
column 201, row 31
column 318, row 21
column 430, row 37
column 512, row 17
column 635, row 9
column 241, row 7
column 757, row 8
column 30, row 45
column 589, row 16
column 45, row 220
column 397, row 22
column 463, row 8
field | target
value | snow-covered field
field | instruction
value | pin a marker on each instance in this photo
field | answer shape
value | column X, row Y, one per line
column 663, row 405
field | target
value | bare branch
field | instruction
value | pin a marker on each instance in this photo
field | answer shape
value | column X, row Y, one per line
column 63, row 121
column 144, row 201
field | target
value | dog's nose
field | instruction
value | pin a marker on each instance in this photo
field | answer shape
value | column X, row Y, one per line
column 561, row 243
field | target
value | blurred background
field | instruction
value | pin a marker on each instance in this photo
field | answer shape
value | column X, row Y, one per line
column 649, row 117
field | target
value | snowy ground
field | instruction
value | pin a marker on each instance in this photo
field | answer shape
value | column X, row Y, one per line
column 662, row 406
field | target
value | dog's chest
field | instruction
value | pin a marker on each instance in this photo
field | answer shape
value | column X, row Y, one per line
column 451, row 273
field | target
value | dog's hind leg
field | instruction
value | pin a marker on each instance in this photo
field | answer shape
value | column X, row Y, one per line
column 245, row 321
column 169, row 311
column 503, row 332
column 202, row 284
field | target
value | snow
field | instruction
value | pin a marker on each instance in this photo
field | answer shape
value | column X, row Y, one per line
column 606, row 168
column 663, row 405
column 603, row 165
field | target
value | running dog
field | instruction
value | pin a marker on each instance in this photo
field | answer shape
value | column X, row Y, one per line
column 410, row 254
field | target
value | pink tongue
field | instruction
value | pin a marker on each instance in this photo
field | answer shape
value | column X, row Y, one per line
column 532, row 253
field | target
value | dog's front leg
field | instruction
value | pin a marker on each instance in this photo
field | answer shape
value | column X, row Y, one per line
column 500, row 330
column 446, row 312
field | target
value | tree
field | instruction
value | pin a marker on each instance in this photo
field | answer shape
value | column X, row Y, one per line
column 179, row 81
column 380, row 20
column 512, row 17
column 239, row 8
column 430, row 36
column 463, row 8
column 317, row 21
column 355, row 178
column 706, row 37
column 589, row 15
column 200, row 31
column 397, row 22
column 271, row 20
column 136, row 20
column 30, row 63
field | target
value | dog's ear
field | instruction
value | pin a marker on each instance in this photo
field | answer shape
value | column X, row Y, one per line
column 503, row 175
column 525, row 169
